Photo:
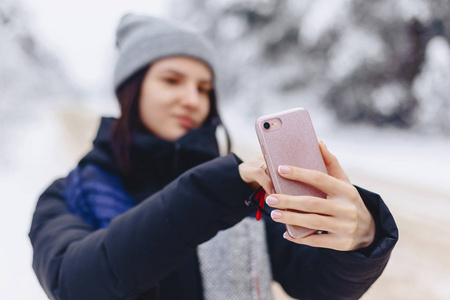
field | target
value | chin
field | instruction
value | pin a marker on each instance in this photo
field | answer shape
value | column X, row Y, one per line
column 174, row 135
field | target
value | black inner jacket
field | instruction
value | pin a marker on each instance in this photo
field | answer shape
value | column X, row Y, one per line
column 154, row 161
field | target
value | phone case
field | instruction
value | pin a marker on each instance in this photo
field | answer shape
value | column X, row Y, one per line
column 293, row 143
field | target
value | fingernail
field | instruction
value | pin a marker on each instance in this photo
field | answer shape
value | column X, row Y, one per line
column 285, row 235
column 275, row 214
column 271, row 200
column 324, row 144
column 284, row 170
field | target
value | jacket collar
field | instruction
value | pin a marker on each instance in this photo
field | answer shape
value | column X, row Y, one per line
column 154, row 161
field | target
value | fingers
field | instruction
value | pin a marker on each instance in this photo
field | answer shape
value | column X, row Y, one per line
column 332, row 164
column 321, row 181
column 253, row 173
column 343, row 214
column 259, row 176
column 313, row 221
column 263, row 179
column 307, row 204
column 329, row 240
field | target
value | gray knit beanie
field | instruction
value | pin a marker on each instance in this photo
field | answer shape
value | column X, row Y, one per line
column 143, row 39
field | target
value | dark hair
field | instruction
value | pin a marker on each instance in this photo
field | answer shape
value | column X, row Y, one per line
column 129, row 122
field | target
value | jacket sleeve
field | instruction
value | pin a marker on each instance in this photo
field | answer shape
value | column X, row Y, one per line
column 141, row 246
column 317, row 273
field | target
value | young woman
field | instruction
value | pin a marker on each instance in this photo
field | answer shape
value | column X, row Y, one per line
column 153, row 212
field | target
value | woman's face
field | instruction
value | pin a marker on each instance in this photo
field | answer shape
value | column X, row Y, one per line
column 174, row 96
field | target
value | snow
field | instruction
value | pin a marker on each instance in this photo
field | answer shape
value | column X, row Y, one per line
column 321, row 17
column 49, row 135
column 82, row 33
column 410, row 172
column 432, row 87
column 396, row 156
column 386, row 97
column 393, row 157
column 356, row 47
column 231, row 27
column 39, row 136
column 419, row 10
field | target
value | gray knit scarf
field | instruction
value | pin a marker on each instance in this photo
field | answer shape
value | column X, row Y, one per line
column 235, row 263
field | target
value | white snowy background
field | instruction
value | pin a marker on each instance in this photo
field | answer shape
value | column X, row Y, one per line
column 56, row 62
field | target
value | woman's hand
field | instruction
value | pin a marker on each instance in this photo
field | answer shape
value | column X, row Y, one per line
column 343, row 214
column 254, row 172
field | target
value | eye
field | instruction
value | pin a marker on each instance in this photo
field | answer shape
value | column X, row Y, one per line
column 203, row 90
column 171, row 81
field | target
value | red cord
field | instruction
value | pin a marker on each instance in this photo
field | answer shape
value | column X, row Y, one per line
column 260, row 196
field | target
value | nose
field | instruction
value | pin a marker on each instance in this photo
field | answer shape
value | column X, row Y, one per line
column 191, row 96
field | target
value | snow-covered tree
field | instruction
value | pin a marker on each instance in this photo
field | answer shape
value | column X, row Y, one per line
column 27, row 68
column 432, row 88
column 359, row 58
column 29, row 73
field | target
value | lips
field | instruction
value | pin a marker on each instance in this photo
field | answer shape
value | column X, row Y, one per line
column 186, row 122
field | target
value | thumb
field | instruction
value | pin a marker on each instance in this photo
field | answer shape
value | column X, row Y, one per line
column 332, row 164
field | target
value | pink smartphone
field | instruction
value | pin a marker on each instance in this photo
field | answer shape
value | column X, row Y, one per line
column 288, row 138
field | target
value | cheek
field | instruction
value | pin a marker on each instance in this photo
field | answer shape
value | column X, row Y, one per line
column 204, row 110
column 146, row 109
column 153, row 101
column 150, row 110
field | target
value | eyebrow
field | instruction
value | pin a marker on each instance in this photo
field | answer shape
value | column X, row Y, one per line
column 178, row 73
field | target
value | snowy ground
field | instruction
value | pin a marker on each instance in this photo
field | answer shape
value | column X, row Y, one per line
column 408, row 170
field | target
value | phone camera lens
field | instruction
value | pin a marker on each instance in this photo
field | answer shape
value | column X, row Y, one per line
column 266, row 125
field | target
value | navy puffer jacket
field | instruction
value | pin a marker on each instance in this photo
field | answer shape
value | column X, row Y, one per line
column 181, row 196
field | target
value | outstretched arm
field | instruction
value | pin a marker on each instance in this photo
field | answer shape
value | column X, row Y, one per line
column 346, row 261
column 141, row 246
